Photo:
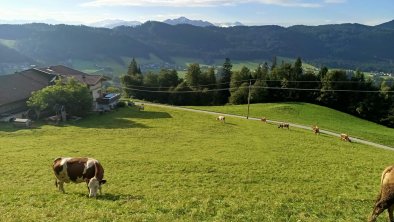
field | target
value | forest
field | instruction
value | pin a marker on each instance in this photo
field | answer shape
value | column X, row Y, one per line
column 353, row 93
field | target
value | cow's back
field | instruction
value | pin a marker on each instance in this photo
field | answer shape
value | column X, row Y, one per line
column 74, row 169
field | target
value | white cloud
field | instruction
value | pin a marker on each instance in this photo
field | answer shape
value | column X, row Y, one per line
column 41, row 15
column 200, row 3
column 334, row 1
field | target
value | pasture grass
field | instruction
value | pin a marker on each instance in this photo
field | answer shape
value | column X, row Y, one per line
column 310, row 114
column 172, row 165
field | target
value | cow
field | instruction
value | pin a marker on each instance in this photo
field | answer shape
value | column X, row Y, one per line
column 78, row 170
column 345, row 137
column 221, row 118
column 141, row 107
column 385, row 198
column 264, row 119
column 316, row 130
column 284, row 125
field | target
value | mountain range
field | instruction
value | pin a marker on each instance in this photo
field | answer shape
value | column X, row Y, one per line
column 342, row 45
column 178, row 21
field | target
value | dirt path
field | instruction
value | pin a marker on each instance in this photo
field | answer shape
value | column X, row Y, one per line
column 274, row 122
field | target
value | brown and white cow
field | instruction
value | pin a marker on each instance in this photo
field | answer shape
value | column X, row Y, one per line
column 284, row 125
column 316, row 130
column 221, row 119
column 345, row 137
column 385, row 198
column 78, row 170
column 263, row 119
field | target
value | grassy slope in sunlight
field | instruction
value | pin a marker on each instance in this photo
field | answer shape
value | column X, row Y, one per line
column 310, row 114
column 170, row 165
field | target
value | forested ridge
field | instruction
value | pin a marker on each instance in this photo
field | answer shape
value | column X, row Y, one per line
column 343, row 45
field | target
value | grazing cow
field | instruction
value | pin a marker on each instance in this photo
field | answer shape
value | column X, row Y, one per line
column 78, row 170
column 345, row 137
column 221, row 118
column 284, row 125
column 385, row 198
column 141, row 107
column 263, row 119
column 316, row 130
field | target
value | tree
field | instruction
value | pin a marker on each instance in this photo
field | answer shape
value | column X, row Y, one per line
column 261, row 72
column 240, row 86
column 297, row 71
column 179, row 98
column 208, row 82
column 224, row 81
column 133, row 69
column 259, row 92
column 168, row 78
column 334, row 80
column 150, row 80
column 274, row 63
column 193, row 76
column 322, row 72
column 73, row 95
column 133, row 81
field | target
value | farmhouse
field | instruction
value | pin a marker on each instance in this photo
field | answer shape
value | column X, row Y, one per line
column 94, row 82
column 15, row 89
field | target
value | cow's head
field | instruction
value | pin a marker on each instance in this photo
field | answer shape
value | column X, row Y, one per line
column 95, row 185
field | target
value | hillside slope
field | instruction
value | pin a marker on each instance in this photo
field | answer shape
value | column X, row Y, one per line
column 345, row 45
column 309, row 114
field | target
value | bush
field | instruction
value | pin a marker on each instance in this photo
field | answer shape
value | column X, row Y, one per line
column 121, row 104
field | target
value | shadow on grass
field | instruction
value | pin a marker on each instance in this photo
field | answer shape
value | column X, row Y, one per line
column 230, row 124
column 120, row 119
column 114, row 197
column 8, row 127
column 119, row 197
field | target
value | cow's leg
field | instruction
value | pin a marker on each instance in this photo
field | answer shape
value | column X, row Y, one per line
column 61, row 187
column 380, row 206
column 390, row 212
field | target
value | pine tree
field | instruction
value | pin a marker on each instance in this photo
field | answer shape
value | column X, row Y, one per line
column 224, row 81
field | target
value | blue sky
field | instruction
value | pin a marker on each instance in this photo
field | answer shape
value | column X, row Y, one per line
column 249, row 12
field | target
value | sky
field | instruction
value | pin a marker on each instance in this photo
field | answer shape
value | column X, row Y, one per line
column 248, row 12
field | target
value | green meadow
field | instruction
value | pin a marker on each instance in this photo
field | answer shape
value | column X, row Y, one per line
column 171, row 165
column 310, row 114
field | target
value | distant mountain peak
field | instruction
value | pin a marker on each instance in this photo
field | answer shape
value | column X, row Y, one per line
column 229, row 24
column 184, row 20
column 387, row 25
column 112, row 23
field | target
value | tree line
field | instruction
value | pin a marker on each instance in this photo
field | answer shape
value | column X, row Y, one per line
column 350, row 92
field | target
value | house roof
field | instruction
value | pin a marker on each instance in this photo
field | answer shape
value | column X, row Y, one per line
column 19, row 86
column 64, row 71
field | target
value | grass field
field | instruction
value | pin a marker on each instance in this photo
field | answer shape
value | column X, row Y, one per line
column 310, row 114
column 169, row 165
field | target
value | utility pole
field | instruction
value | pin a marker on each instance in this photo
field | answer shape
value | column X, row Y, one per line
column 250, row 84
